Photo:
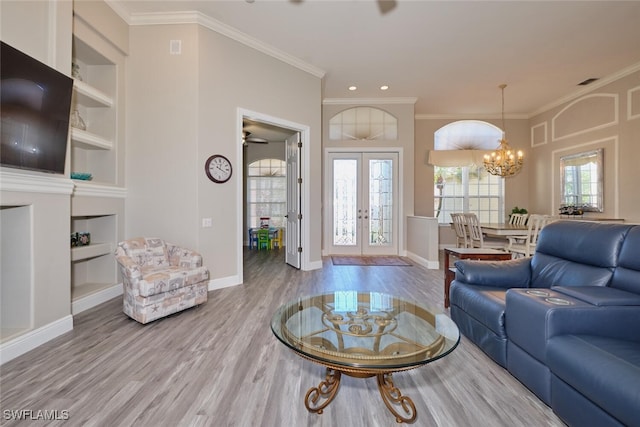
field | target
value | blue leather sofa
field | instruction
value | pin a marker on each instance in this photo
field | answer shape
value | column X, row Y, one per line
column 565, row 322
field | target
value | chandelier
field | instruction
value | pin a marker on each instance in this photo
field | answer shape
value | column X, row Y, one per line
column 504, row 161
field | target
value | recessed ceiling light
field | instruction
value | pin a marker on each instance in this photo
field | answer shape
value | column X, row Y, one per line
column 352, row 88
column 384, row 87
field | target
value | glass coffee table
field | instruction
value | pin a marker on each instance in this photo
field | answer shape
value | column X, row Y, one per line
column 362, row 335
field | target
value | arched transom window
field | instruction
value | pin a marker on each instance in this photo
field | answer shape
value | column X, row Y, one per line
column 364, row 124
column 461, row 184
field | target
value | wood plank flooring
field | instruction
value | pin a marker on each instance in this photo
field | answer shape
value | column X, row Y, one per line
column 220, row 365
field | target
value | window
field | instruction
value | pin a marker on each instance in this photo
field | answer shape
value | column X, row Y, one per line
column 468, row 188
column 266, row 192
column 363, row 123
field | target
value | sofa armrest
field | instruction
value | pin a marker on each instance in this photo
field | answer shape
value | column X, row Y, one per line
column 183, row 257
column 129, row 267
column 600, row 295
column 619, row 322
column 498, row 274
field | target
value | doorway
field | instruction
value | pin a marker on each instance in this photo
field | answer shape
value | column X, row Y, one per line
column 271, row 138
column 362, row 203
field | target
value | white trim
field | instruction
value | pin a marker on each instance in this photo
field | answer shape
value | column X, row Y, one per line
column 544, row 125
column 631, row 116
column 457, row 117
column 224, row 282
column 32, row 339
column 600, row 144
column 92, row 300
column 368, row 101
column 305, row 138
column 34, row 182
column 615, row 121
column 193, row 17
column 431, row 265
column 590, row 88
column 86, row 189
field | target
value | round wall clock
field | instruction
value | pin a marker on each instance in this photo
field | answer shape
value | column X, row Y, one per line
column 218, row 168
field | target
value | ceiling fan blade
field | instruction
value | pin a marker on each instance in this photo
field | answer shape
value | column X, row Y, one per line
column 386, row 6
column 256, row 140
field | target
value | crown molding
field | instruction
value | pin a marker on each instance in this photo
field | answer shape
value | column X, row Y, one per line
column 588, row 89
column 368, row 101
column 193, row 17
column 471, row 116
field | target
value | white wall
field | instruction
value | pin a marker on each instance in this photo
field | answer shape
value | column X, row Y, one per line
column 184, row 108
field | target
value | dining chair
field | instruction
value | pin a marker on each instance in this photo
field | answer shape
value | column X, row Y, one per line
column 518, row 219
column 525, row 246
column 462, row 239
column 276, row 238
column 264, row 240
column 477, row 238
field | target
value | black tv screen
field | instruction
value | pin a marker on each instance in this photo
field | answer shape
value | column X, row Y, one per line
column 35, row 108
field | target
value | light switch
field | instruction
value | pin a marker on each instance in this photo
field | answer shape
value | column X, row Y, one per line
column 207, row 222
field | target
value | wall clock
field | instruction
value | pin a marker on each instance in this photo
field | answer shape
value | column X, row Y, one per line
column 218, row 168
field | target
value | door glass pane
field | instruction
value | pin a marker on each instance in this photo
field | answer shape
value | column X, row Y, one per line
column 380, row 202
column 345, row 203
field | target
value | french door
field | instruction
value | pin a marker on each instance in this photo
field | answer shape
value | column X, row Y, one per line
column 362, row 202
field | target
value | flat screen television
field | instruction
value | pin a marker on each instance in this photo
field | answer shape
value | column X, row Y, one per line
column 34, row 110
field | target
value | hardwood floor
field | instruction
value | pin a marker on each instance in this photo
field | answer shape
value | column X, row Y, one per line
column 220, row 365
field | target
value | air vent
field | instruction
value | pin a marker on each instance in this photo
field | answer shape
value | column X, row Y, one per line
column 587, row 82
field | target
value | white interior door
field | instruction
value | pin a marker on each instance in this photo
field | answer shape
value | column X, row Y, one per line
column 292, row 233
column 363, row 203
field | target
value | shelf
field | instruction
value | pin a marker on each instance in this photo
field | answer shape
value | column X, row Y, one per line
column 93, row 250
column 89, row 96
column 89, row 141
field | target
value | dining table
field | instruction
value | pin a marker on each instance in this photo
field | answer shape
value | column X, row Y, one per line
column 504, row 230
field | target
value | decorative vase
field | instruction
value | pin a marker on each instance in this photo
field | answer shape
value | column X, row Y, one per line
column 76, row 121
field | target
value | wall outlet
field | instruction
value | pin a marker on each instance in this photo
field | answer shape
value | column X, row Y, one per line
column 207, row 222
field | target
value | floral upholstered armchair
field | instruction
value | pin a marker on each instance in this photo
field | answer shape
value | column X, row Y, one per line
column 159, row 278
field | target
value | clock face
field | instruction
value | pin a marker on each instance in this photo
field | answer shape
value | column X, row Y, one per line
column 218, row 168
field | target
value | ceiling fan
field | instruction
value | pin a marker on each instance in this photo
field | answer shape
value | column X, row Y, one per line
column 246, row 138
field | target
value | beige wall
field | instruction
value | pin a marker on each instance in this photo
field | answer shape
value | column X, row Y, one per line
column 599, row 118
column 185, row 108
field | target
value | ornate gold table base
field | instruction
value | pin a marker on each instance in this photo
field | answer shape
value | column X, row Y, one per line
column 318, row 398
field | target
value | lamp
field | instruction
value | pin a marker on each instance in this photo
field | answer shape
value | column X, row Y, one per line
column 503, row 162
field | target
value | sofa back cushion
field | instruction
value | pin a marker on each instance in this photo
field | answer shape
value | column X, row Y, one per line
column 577, row 253
column 627, row 274
column 146, row 251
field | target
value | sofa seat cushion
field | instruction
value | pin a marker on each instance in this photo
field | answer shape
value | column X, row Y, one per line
column 484, row 304
column 604, row 370
column 158, row 280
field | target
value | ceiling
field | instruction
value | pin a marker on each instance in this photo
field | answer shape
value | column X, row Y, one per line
column 450, row 56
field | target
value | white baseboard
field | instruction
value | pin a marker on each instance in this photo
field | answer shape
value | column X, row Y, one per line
column 431, row 265
column 90, row 301
column 223, row 282
column 26, row 342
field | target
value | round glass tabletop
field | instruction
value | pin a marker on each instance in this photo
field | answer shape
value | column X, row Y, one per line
column 368, row 331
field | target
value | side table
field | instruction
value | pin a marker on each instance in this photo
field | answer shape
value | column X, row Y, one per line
column 468, row 253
